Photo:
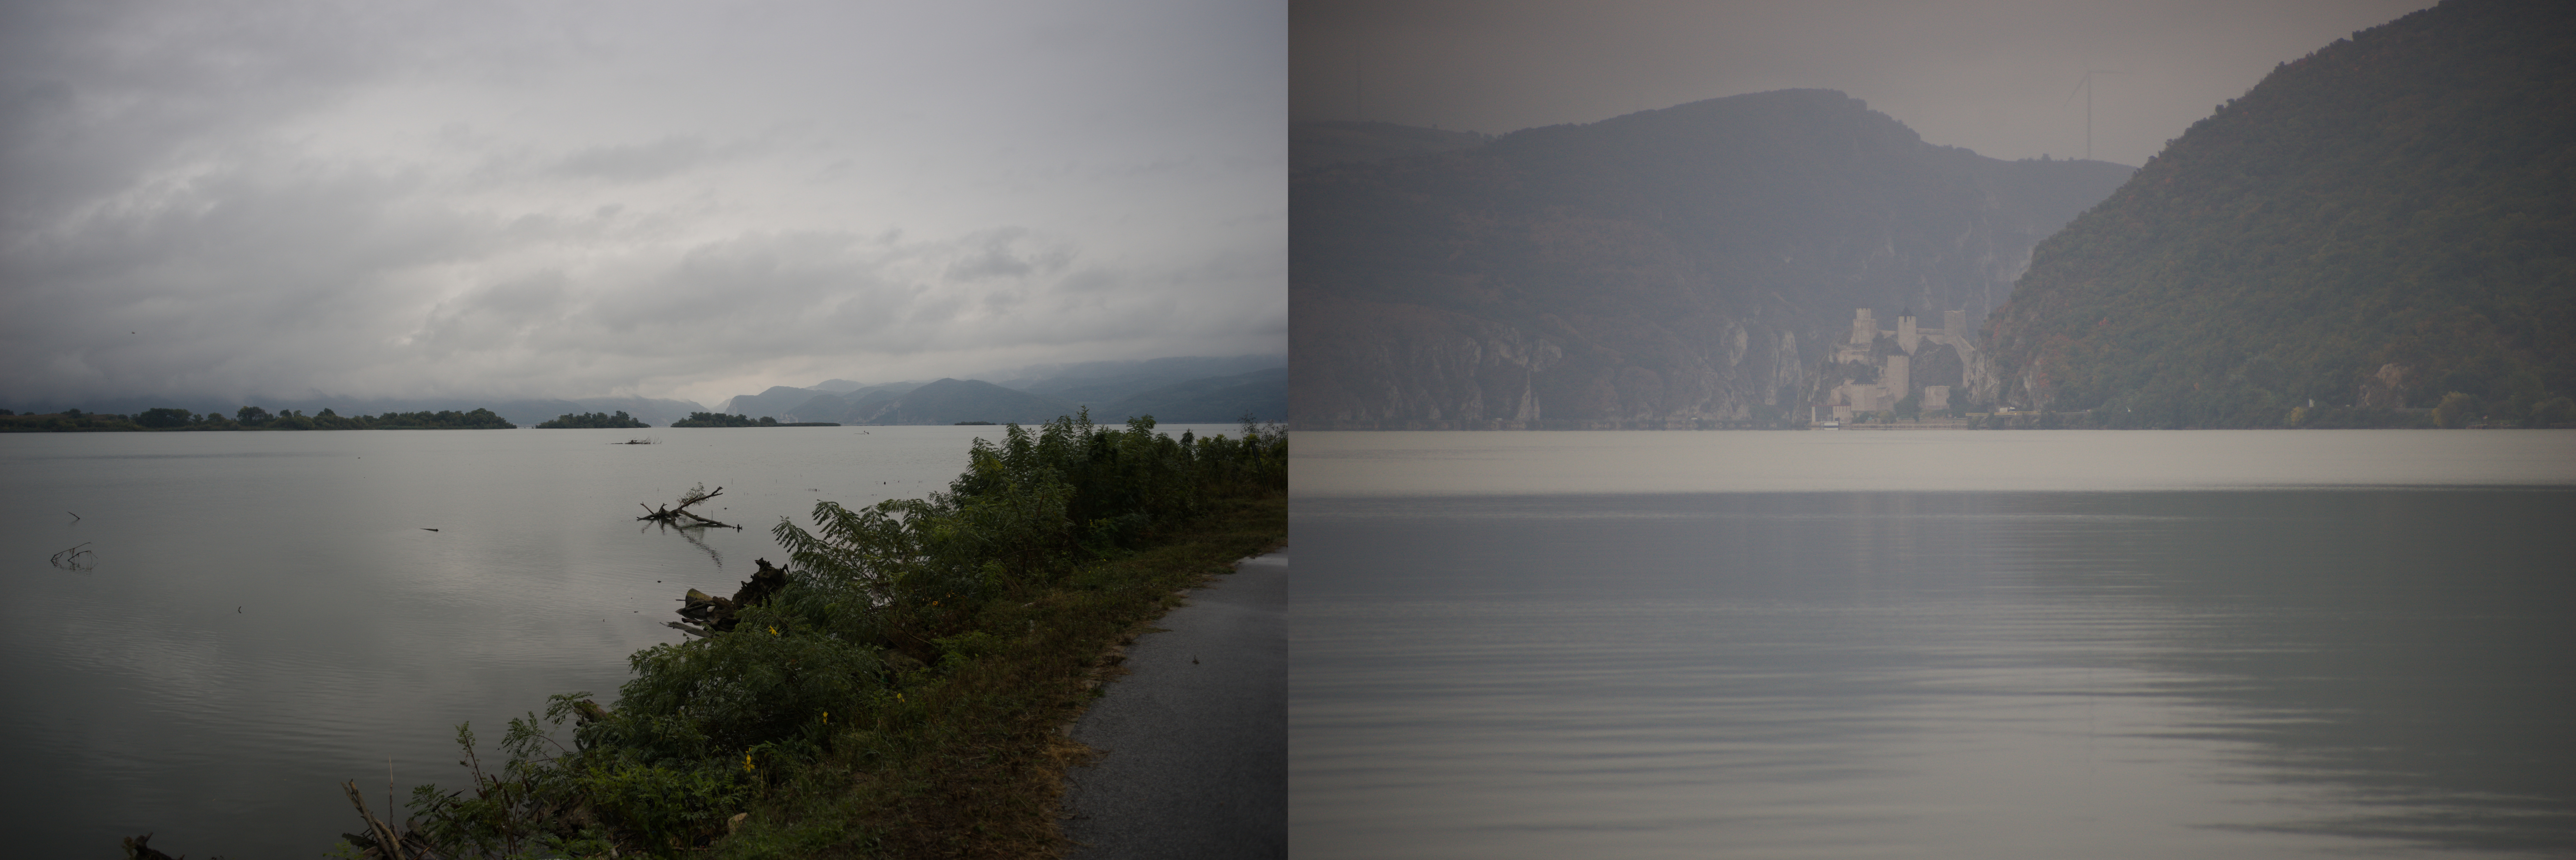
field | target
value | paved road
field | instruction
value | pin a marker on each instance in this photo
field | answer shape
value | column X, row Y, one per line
column 1196, row 734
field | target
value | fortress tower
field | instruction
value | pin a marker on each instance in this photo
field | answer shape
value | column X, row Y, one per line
column 1864, row 329
column 1906, row 337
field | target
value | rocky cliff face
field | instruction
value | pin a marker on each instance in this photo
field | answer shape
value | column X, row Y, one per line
column 1377, row 364
column 1681, row 267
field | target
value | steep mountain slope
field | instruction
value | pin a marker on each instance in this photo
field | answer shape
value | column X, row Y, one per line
column 1262, row 394
column 946, row 401
column 2380, row 223
column 848, row 407
column 1665, row 268
column 1099, row 383
column 1324, row 143
column 778, row 400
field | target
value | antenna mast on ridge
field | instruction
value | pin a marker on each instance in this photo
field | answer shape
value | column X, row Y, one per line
column 2086, row 85
column 1359, row 108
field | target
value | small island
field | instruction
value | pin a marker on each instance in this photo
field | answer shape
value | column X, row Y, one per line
column 719, row 419
column 618, row 421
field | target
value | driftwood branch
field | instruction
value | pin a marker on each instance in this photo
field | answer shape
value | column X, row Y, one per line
column 671, row 514
column 70, row 559
column 140, row 848
column 383, row 833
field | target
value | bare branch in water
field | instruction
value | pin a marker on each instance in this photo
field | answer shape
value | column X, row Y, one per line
column 70, row 559
column 671, row 514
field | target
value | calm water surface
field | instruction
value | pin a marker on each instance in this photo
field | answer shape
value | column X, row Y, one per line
column 1933, row 644
column 268, row 614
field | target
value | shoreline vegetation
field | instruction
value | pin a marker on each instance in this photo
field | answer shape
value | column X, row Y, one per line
column 248, row 418
column 901, row 688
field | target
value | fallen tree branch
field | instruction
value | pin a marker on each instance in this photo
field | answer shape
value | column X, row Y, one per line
column 70, row 559
column 383, row 833
column 139, row 848
column 670, row 515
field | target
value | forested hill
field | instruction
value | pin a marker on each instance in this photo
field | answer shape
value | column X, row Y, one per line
column 1686, row 265
column 2381, row 223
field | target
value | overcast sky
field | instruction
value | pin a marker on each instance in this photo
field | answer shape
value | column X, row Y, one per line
column 1996, row 76
column 687, row 199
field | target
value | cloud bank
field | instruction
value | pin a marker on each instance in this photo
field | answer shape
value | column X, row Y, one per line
column 658, row 199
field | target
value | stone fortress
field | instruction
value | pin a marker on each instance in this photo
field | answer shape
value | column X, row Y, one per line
column 1909, row 361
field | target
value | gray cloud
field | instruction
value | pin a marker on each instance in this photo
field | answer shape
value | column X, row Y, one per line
column 635, row 162
column 666, row 199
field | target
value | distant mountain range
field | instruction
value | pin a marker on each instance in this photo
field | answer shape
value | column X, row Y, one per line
column 1172, row 390
column 1329, row 142
column 522, row 412
column 1178, row 390
column 1675, row 267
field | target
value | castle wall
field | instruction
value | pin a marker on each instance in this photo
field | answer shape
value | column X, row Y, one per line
column 1864, row 398
column 1898, row 377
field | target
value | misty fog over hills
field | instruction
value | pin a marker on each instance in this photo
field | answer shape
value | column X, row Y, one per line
column 1323, row 143
column 1187, row 390
column 1668, row 267
column 1181, row 389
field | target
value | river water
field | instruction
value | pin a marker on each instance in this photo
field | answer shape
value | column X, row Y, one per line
column 1994, row 645
column 262, row 616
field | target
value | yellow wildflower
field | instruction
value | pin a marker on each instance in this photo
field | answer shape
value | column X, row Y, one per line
column 746, row 762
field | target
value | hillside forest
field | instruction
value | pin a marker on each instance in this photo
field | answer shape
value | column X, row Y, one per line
column 2382, row 232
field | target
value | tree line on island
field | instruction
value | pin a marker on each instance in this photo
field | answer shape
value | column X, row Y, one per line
column 719, row 419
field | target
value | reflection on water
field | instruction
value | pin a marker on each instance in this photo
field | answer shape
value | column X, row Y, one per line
column 1992, row 674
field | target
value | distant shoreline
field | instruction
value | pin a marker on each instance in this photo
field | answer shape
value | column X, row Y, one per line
column 174, row 421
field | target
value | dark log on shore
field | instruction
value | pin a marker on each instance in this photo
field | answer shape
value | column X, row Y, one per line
column 713, row 614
